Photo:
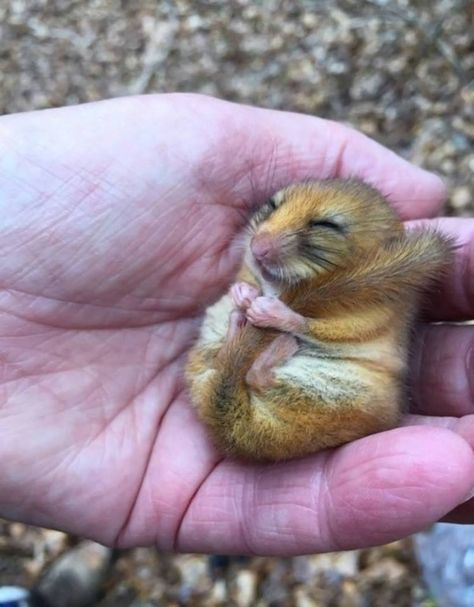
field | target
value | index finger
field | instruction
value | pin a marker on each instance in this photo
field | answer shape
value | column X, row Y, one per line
column 310, row 147
column 253, row 151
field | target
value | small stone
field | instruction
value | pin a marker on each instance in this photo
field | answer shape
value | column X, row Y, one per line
column 302, row 599
column 310, row 20
column 218, row 593
column 246, row 586
column 194, row 22
column 75, row 578
column 344, row 564
column 17, row 530
column 387, row 570
column 461, row 197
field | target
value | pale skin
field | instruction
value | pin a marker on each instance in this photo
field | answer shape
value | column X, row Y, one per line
column 116, row 224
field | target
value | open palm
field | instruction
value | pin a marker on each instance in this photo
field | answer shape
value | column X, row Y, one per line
column 117, row 225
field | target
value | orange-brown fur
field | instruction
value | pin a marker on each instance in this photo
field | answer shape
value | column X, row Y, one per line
column 358, row 296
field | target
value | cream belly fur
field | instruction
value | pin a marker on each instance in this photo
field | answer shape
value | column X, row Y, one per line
column 216, row 322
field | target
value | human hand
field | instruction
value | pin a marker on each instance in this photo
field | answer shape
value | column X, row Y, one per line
column 116, row 224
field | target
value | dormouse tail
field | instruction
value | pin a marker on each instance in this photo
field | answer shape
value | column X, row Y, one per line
column 229, row 403
column 236, row 358
column 408, row 264
column 414, row 261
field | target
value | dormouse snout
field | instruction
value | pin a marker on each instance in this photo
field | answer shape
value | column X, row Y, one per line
column 264, row 247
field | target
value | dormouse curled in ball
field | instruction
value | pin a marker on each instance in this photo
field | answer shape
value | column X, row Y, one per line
column 308, row 349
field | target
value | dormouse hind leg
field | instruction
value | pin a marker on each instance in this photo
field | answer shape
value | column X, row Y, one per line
column 260, row 376
column 237, row 321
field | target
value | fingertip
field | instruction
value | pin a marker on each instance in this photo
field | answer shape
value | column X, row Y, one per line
column 437, row 185
column 437, row 457
column 438, row 450
column 437, row 189
column 414, row 192
column 342, row 151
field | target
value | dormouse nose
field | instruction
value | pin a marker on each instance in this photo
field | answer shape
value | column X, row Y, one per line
column 263, row 246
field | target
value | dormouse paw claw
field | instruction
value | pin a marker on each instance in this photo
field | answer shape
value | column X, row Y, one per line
column 243, row 295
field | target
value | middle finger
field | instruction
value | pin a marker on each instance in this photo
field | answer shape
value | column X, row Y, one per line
column 442, row 370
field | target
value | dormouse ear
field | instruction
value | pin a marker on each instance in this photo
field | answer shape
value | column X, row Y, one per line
column 271, row 203
column 277, row 198
column 267, row 208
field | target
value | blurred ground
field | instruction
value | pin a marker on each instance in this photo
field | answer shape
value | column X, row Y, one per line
column 401, row 71
column 378, row 577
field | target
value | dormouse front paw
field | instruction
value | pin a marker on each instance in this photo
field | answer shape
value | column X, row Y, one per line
column 270, row 312
column 243, row 295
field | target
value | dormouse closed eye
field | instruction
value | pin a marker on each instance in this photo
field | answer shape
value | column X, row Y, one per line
column 326, row 224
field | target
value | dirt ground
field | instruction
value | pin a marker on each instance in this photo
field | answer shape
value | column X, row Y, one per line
column 401, row 71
